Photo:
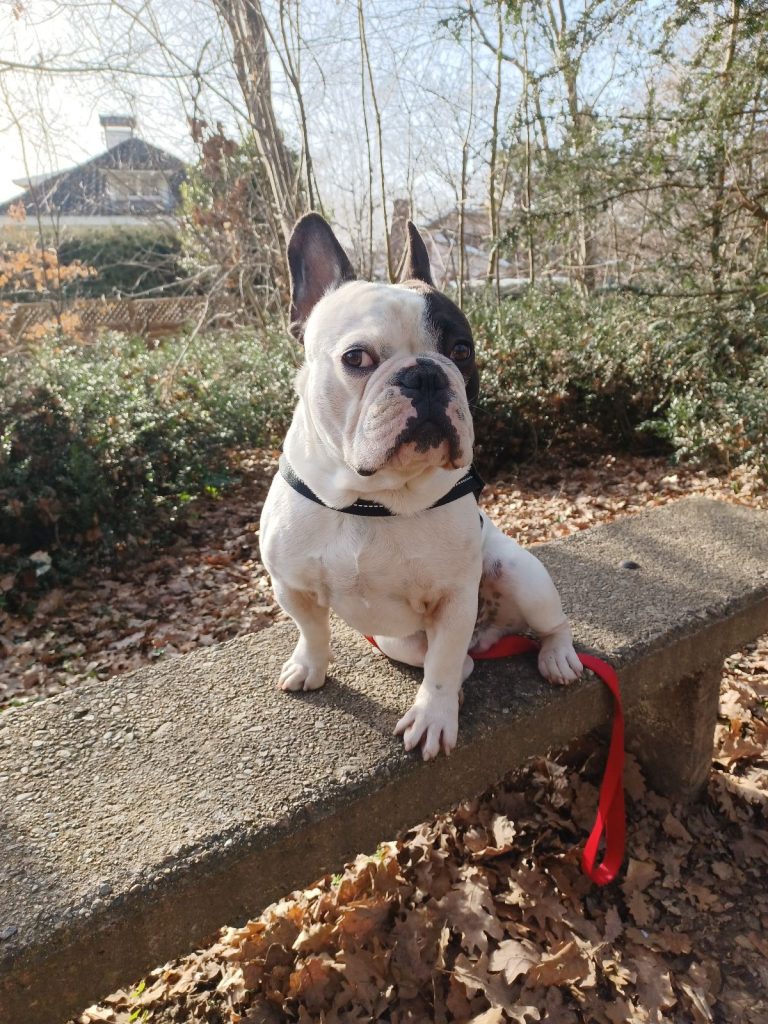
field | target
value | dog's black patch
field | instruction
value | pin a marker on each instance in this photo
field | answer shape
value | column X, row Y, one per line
column 427, row 386
column 494, row 570
column 451, row 327
column 416, row 258
column 317, row 263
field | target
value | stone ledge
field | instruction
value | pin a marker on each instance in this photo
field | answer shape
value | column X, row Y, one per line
column 141, row 814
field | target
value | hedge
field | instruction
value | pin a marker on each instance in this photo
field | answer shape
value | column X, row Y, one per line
column 103, row 442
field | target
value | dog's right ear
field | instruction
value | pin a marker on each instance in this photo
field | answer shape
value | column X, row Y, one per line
column 318, row 265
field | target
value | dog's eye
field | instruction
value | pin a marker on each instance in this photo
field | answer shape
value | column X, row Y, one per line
column 461, row 352
column 358, row 359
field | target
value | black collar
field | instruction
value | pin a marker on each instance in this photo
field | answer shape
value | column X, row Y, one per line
column 470, row 483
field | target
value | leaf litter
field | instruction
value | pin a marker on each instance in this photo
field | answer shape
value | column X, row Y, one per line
column 483, row 914
column 210, row 586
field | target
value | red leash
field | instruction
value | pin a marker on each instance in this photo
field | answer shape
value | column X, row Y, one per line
column 610, row 818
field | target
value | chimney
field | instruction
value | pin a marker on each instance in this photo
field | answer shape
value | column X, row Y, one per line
column 117, row 128
column 397, row 230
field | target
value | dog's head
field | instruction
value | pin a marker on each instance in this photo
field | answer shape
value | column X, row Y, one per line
column 390, row 369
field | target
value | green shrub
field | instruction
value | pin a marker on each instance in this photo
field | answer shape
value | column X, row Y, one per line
column 724, row 421
column 100, row 442
column 619, row 371
column 128, row 260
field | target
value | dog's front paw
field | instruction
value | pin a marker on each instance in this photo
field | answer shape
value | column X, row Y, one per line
column 301, row 673
column 431, row 721
column 558, row 661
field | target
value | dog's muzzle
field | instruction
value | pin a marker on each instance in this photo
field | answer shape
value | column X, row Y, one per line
column 425, row 381
column 427, row 387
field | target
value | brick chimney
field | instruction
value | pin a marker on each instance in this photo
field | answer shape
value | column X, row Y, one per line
column 117, row 128
column 397, row 232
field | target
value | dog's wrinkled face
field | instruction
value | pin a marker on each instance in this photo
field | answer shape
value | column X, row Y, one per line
column 390, row 369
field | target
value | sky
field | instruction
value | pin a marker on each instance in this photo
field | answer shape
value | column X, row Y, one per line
column 422, row 78
column 52, row 122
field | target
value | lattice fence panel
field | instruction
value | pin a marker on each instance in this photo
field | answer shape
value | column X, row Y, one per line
column 149, row 317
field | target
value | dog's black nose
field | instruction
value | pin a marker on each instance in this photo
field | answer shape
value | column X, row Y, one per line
column 425, row 376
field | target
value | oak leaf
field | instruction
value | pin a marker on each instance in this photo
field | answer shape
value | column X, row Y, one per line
column 675, row 829
column 567, row 966
column 654, row 987
column 613, row 925
column 493, row 842
column 477, row 977
column 360, row 919
column 469, row 910
column 313, row 938
column 642, row 911
column 639, row 876
column 493, row 1016
column 513, row 958
column 314, row 982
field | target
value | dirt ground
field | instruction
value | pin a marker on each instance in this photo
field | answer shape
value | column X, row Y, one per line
column 481, row 914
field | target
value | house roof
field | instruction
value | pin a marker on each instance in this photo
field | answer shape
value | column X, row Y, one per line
column 83, row 191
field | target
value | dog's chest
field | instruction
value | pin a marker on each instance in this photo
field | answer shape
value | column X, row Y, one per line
column 376, row 567
column 383, row 576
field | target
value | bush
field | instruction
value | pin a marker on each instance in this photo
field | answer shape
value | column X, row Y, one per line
column 103, row 442
column 127, row 261
column 619, row 371
column 100, row 442
column 91, row 263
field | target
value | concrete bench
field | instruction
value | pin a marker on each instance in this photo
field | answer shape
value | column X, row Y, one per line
column 141, row 814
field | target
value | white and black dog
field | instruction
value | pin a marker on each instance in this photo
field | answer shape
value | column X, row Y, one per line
column 373, row 513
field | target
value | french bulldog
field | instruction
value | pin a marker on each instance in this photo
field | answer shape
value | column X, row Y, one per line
column 372, row 514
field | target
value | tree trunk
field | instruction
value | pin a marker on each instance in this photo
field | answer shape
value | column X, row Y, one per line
column 716, row 240
column 586, row 253
column 245, row 22
column 492, row 272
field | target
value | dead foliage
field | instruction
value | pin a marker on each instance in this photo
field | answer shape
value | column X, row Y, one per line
column 30, row 272
column 210, row 586
column 483, row 915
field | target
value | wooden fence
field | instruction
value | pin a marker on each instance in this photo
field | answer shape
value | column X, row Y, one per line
column 150, row 318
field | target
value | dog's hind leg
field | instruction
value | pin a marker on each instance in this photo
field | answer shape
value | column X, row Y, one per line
column 411, row 650
column 517, row 593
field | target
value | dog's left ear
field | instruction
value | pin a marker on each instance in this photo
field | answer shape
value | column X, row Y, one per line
column 318, row 264
column 416, row 261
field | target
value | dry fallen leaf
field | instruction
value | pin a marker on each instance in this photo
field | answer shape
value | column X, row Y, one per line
column 468, row 909
column 567, row 965
column 513, row 958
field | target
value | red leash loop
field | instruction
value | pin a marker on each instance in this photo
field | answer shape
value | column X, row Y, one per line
column 610, row 820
